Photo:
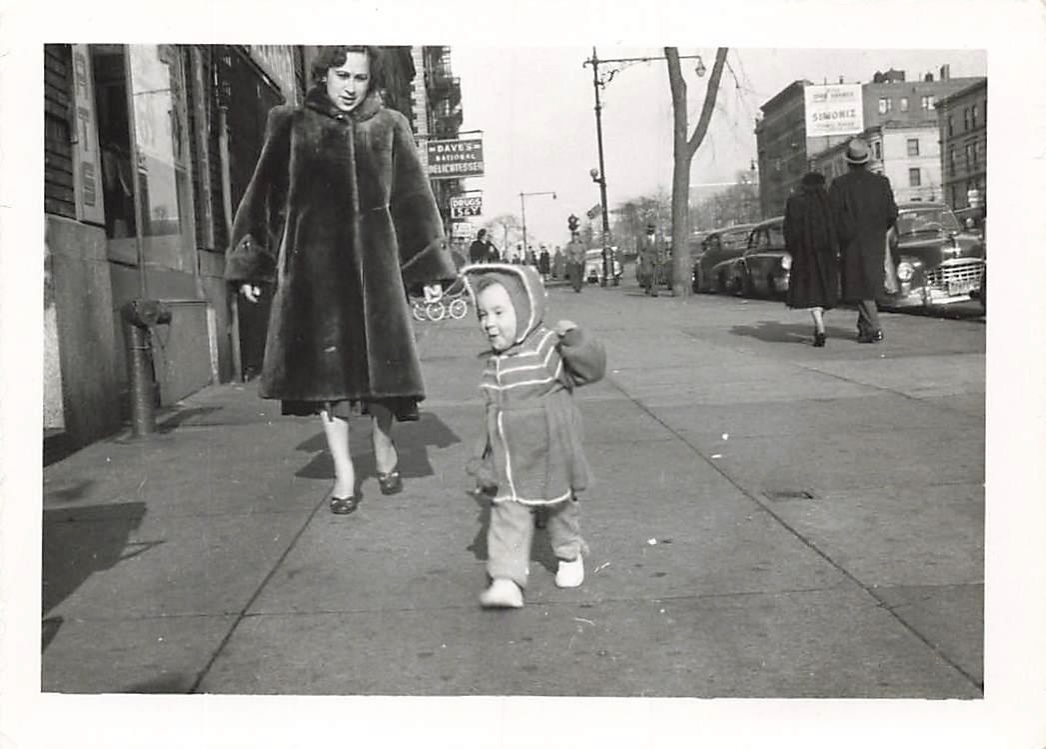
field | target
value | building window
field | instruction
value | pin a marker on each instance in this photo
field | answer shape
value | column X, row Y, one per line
column 914, row 179
column 904, row 103
column 885, row 105
column 965, row 119
column 951, row 125
column 973, row 116
column 913, row 146
column 951, row 160
column 969, row 156
column 928, row 102
column 877, row 150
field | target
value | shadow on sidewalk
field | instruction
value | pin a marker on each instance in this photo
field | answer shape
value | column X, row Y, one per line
column 412, row 442
column 77, row 542
column 772, row 331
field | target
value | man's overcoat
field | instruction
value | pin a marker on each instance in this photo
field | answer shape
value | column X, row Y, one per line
column 864, row 210
column 340, row 215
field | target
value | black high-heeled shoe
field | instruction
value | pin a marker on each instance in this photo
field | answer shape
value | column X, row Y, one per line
column 345, row 505
column 390, row 483
column 820, row 339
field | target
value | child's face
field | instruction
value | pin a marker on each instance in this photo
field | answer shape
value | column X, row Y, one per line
column 497, row 316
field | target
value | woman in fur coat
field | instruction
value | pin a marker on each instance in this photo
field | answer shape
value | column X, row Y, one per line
column 811, row 239
column 339, row 215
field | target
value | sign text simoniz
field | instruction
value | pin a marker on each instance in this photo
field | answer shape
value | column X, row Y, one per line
column 451, row 159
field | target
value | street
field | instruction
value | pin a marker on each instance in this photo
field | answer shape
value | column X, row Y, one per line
column 768, row 520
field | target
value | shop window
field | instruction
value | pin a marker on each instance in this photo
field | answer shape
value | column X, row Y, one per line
column 143, row 137
column 904, row 103
column 914, row 178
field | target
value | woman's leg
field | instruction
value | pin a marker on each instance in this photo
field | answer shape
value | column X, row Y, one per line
column 337, row 431
column 818, row 314
column 385, row 457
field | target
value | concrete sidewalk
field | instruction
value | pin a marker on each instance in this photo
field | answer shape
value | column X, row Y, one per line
column 770, row 520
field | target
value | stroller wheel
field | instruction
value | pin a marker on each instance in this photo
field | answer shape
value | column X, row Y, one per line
column 418, row 312
column 458, row 309
column 435, row 311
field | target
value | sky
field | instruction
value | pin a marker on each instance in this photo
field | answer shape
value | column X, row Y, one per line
column 535, row 108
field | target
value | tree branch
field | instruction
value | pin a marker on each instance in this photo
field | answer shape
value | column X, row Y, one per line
column 710, row 96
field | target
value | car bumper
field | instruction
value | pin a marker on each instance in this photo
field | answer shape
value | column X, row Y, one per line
column 922, row 296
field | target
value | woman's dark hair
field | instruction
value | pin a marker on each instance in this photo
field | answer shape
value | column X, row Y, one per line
column 334, row 57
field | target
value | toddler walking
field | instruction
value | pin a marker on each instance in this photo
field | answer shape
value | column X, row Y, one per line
column 531, row 457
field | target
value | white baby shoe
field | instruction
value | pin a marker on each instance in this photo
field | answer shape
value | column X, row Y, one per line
column 502, row 594
column 570, row 574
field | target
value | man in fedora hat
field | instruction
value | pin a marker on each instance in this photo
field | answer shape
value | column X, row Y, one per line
column 864, row 209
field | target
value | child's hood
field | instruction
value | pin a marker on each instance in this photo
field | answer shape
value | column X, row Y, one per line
column 524, row 288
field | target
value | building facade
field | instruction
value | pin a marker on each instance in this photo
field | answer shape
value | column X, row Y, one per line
column 146, row 149
column 908, row 155
column 962, row 121
column 785, row 153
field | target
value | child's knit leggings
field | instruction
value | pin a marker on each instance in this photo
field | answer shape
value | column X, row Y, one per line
column 511, row 534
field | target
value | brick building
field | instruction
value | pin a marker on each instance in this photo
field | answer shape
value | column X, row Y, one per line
column 962, row 121
column 786, row 153
column 909, row 155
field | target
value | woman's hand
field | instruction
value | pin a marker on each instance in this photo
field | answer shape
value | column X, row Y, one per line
column 565, row 326
column 251, row 292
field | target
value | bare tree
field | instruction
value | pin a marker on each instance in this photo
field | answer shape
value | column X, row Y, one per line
column 506, row 222
column 683, row 154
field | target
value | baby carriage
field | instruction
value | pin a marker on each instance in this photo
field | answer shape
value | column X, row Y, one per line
column 439, row 303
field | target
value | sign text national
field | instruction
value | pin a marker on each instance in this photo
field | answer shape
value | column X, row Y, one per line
column 453, row 159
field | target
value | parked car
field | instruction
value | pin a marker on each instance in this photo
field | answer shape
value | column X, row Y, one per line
column 937, row 261
column 763, row 269
column 719, row 245
column 594, row 266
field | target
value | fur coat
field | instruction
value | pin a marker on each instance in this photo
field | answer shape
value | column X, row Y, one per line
column 340, row 216
column 864, row 209
column 810, row 238
column 532, row 451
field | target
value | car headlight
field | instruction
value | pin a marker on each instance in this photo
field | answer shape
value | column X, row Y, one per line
column 905, row 271
column 786, row 262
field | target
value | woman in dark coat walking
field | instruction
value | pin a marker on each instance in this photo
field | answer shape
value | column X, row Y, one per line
column 812, row 241
column 340, row 216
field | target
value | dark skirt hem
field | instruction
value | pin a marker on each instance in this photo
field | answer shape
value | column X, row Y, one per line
column 403, row 409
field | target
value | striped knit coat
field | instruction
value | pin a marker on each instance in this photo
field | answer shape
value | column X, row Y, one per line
column 533, row 449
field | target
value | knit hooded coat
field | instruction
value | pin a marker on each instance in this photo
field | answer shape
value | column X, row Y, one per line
column 340, row 216
column 533, row 436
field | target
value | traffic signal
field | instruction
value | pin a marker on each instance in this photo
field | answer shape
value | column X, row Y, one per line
column 572, row 223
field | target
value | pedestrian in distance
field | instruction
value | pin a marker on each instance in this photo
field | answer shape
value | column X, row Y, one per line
column 531, row 456
column 340, row 216
column 648, row 261
column 544, row 264
column 864, row 209
column 479, row 250
column 811, row 240
column 559, row 264
column 576, row 261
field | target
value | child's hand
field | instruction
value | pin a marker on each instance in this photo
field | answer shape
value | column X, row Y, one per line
column 565, row 326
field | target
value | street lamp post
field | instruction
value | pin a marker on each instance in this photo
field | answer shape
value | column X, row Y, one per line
column 523, row 214
column 599, row 82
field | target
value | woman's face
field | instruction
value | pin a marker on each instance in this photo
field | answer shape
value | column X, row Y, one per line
column 347, row 85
